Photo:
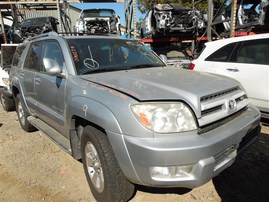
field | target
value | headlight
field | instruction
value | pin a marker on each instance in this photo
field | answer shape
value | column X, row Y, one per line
column 6, row 81
column 165, row 117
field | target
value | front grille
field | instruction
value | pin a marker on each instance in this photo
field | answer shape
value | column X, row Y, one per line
column 211, row 110
column 218, row 123
column 221, row 107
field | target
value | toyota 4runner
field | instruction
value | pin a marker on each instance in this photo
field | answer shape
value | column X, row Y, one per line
column 114, row 104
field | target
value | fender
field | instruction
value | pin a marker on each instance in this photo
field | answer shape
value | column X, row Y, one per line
column 93, row 112
column 15, row 83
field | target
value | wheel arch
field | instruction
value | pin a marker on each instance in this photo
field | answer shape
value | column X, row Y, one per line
column 78, row 124
column 84, row 112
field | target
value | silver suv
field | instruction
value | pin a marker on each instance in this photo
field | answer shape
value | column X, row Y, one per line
column 114, row 104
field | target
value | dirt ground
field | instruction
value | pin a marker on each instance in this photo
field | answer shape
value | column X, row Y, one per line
column 32, row 168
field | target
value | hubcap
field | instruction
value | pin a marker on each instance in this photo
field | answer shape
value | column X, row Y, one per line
column 21, row 113
column 94, row 167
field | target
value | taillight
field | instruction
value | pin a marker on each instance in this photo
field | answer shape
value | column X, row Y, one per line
column 191, row 66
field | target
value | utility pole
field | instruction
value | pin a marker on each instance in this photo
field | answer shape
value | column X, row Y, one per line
column 233, row 18
column 134, row 17
column 3, row 27
column 209, row 19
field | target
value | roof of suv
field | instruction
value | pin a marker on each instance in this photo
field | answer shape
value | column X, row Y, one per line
column 54, row 34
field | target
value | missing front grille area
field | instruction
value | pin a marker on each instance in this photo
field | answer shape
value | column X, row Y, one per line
column 220, row 122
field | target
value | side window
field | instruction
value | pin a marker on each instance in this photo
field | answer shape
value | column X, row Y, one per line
column 53, row 52
column 253, row 52
column 33, row 61
column 17, row 55
column 222, row 55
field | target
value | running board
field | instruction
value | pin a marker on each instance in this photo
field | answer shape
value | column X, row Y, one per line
column 52, row 134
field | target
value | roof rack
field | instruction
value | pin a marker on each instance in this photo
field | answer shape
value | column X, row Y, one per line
column 52, row 33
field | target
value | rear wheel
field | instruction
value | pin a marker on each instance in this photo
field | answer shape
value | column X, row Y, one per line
column 7, row 102
column 23, row 114
column 105, row 178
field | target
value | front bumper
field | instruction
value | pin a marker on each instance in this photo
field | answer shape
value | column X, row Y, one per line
column 208, row 154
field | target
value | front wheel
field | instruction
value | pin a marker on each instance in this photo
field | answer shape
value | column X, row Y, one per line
column 104, row 176
column 23, row 115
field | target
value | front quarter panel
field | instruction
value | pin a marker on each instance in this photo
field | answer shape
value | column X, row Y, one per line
column 103, row 107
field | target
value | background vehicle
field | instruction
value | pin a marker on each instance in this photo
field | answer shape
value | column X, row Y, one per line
column 171, row 19
column 244, row 59
column 32, row 27
column 173, row 54
column 6, row 30
column 251, row 15
column 6, row 101
column 130, row 118
column 97, row 21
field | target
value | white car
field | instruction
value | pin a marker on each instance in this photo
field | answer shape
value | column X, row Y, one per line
column 245, row 59
column 6, row 100
column 96, row 21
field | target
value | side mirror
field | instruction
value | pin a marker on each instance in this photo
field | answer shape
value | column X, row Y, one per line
column 52, row 67
column 164, row 58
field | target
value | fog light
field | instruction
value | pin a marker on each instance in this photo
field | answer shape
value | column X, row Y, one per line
column 171, row 172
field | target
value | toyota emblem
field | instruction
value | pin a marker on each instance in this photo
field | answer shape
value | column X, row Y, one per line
column 232, row 104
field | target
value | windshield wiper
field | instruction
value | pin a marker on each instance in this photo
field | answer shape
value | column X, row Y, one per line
column 103, row 70
column 144, row 66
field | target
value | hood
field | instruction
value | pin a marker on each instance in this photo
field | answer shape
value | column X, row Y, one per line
column 163, row 83
column 96, row 18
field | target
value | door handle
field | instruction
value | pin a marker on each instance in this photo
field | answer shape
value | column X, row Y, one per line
column 232, row 69
column 37, row 80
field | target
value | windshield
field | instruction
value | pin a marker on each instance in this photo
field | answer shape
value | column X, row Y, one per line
column 110, row 54
column 34, row 21
column 97, row 13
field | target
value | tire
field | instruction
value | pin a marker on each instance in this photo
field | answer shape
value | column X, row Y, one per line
column 104, row 176
column 7, row 102
column 23, row 114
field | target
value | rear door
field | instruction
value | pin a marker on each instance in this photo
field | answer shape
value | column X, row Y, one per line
column 249, row 64
column 28, row 80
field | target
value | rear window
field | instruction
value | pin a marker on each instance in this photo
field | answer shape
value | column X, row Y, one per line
column 222, row 55
column 17, row 55
column 253, row 52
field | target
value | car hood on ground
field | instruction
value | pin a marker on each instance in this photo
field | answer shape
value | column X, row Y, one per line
column 163, row 83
